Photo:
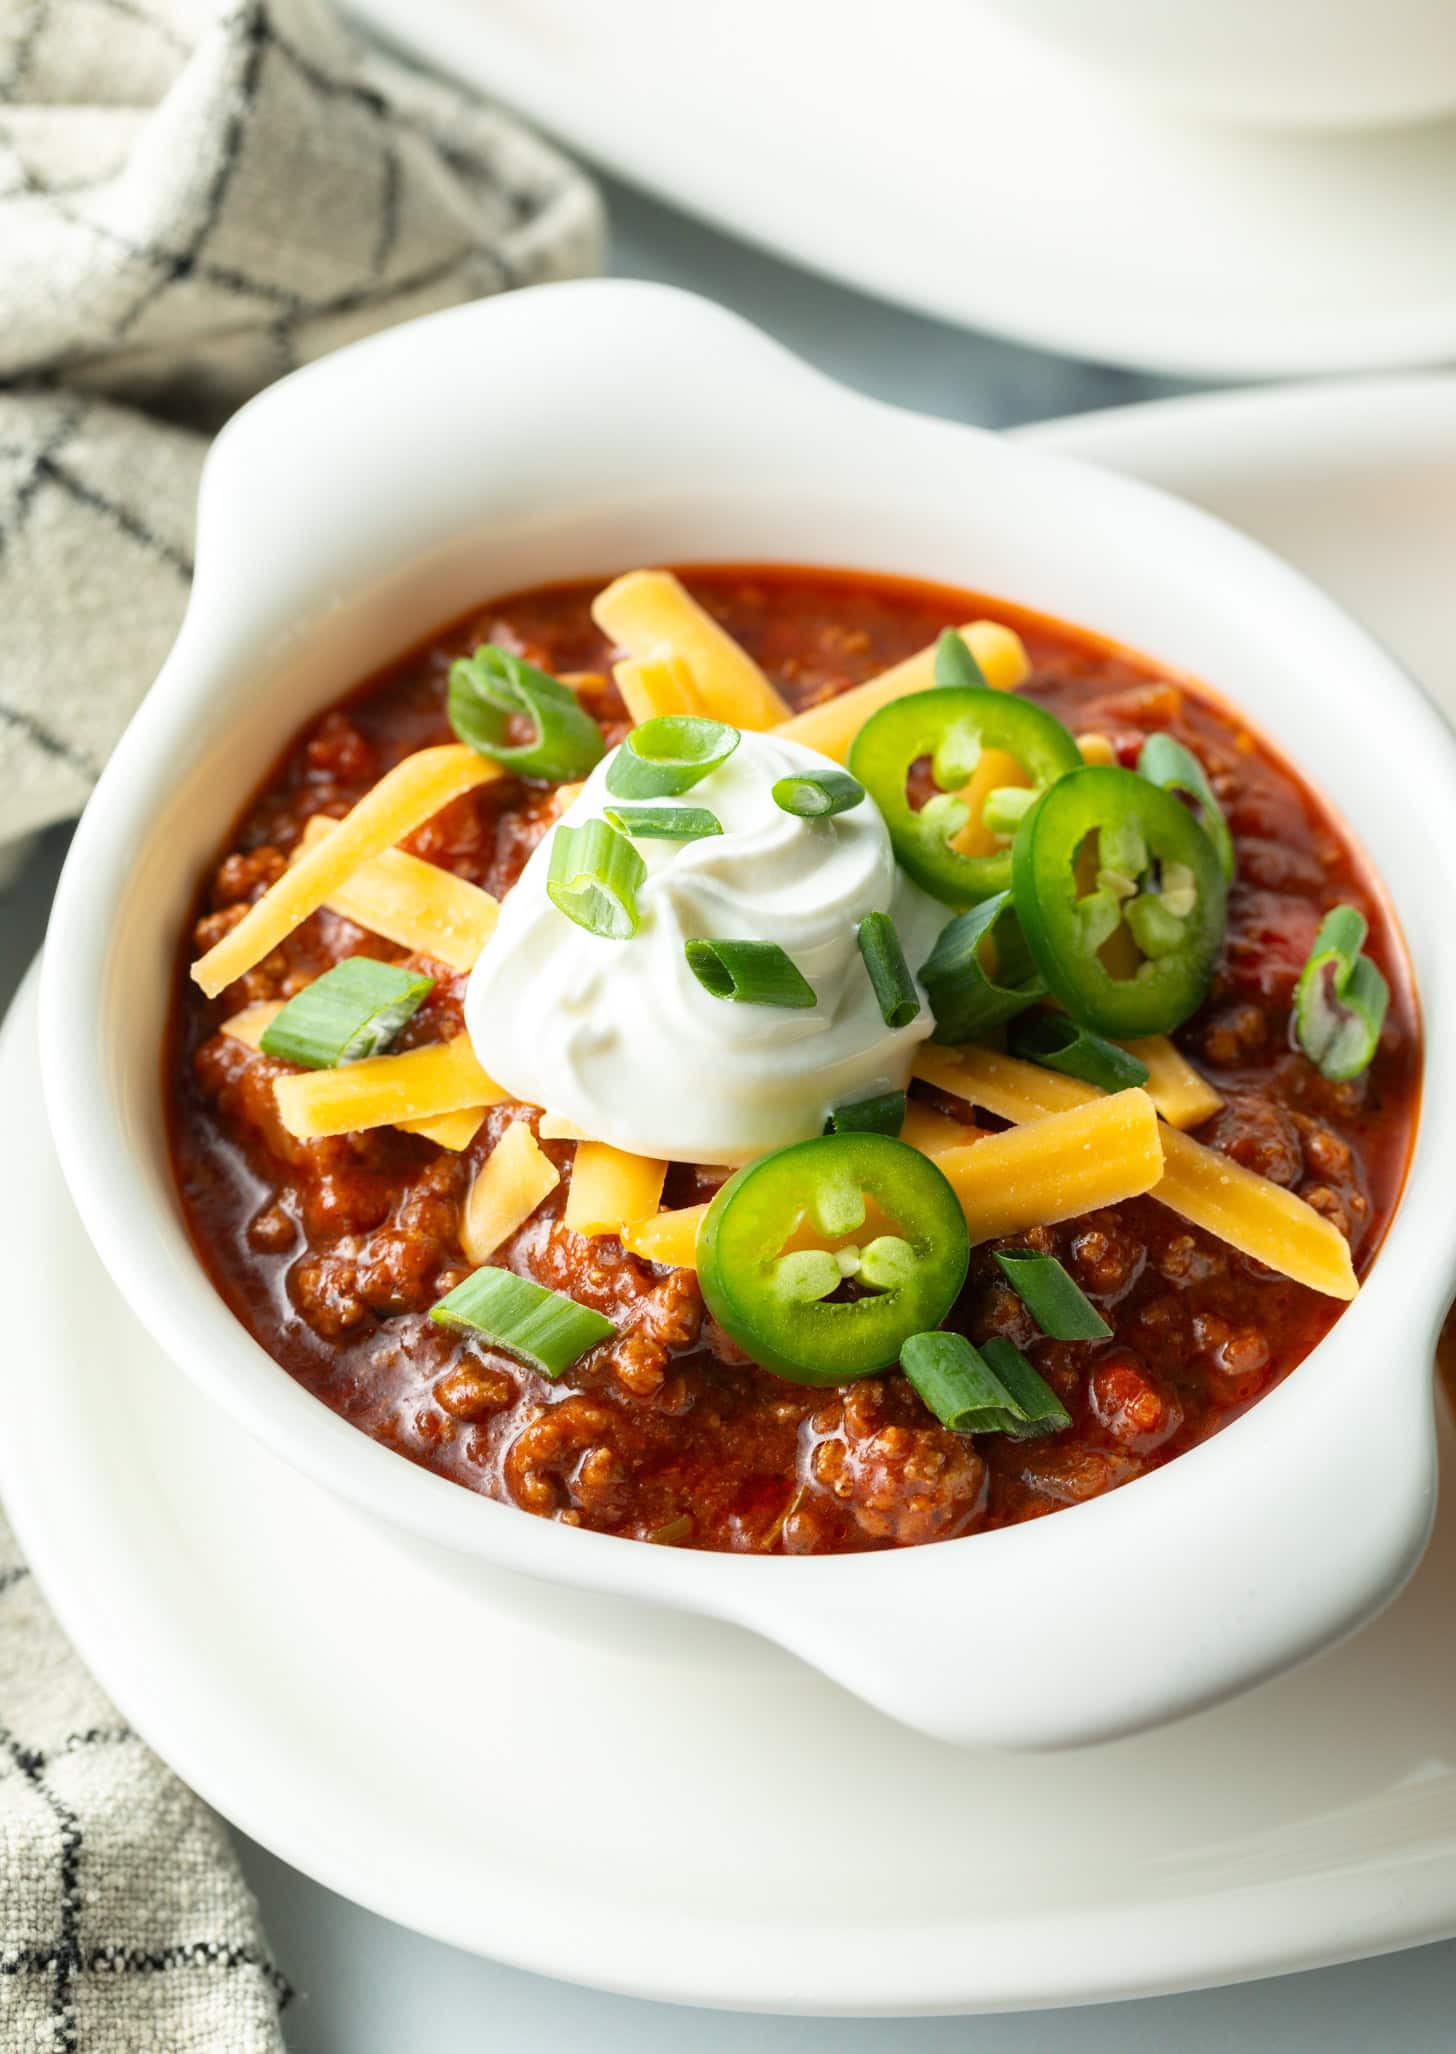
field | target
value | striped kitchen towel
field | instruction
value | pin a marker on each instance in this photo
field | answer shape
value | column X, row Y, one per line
column 124, row 1923
column 195, row 196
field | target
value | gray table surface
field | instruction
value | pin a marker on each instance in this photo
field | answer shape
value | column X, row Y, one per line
column 368, row 1987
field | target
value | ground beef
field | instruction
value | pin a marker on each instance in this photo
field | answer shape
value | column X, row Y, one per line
column 333, row 1252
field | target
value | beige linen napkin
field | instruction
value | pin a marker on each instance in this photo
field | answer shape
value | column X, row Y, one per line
column 195, row 196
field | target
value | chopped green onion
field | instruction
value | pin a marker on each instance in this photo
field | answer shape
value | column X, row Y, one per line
column 889, row 973
column 1060, row 1044
column 669, row 755
column 490, row 688
column 813, row 794
column 353, row 1010
column 1042, row 1411
column 884, row 1114
column 593, row 877
column 954, row 663
column 957, row 1383
column 1341, row 999
column 990, row 1389
column 1162, row 761
column 543, row 1328
column 965, row 997
column 753, row 973
column 664, row 823
column 1059, row 1307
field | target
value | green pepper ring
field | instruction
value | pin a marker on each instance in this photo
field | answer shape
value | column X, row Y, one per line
column 1162, row 994
column 810, row 1341
column 894, row 739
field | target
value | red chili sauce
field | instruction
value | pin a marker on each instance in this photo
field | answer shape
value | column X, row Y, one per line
column 332, row 1252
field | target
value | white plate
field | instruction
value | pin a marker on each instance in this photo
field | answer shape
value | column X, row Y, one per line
column 930, row 152
column 661, row 1806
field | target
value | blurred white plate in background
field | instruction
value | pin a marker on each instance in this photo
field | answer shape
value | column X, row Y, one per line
column 666, row 1807
column 929, row 152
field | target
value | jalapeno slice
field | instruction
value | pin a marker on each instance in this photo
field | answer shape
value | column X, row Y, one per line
column 955, row 726
column 822, row 1259
column 1121, row 899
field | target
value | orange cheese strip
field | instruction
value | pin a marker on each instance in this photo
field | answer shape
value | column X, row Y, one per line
column 611, row 1190
column 670, row 1238
column 1002, row 1085
column 1258, row 1218
column 448, row 1130
column 403, row 799
column 508, row 1186
column 454, row 1131
column 383, row 1091
column 1200, row 1185
column 657, row 684
column 832, row 727
column 411, row 902
column 646, row 610
column 252, row 1023
column 555, row 1127
column 1055, row 1168
column 994, row 768
column 1183, row 1095
column 934, row 1133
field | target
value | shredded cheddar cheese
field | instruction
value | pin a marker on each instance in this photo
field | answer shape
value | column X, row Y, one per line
column 611, row 1190
column 415, row 904
column 403, row 800
column 508, row 1187
column 832, row 727
column 384, row 1091
column 647, row 611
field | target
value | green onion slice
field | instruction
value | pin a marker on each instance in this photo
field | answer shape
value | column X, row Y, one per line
column 1042, row 1411
column 954, row 663
column 990, row 1389
column 1162, row 761
column 883, row 1114
column 543, row 1328
column 956, row 1383
column 669, row 755
column 1059, row 1307
column 593, row 877
column 1060, row 1044
column 814, row 794
column 664, row 823
column 352, row 1011
column 752, row 973
column 966, row 996
column 889, row 973
column 491, row 688
column 1341, row 998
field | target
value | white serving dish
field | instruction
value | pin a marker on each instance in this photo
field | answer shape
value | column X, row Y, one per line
column 1285, row 63
column 577, row 429
column 939, row 154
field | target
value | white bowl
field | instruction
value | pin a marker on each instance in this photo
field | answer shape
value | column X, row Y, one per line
column 571, row 431
column 1298, row 64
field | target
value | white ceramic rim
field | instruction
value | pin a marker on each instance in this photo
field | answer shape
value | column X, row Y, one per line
column 102, row 1551
column 605, row 360
column 532, row 59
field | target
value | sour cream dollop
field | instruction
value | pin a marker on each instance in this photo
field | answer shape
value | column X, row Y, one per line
column 620, row 1038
